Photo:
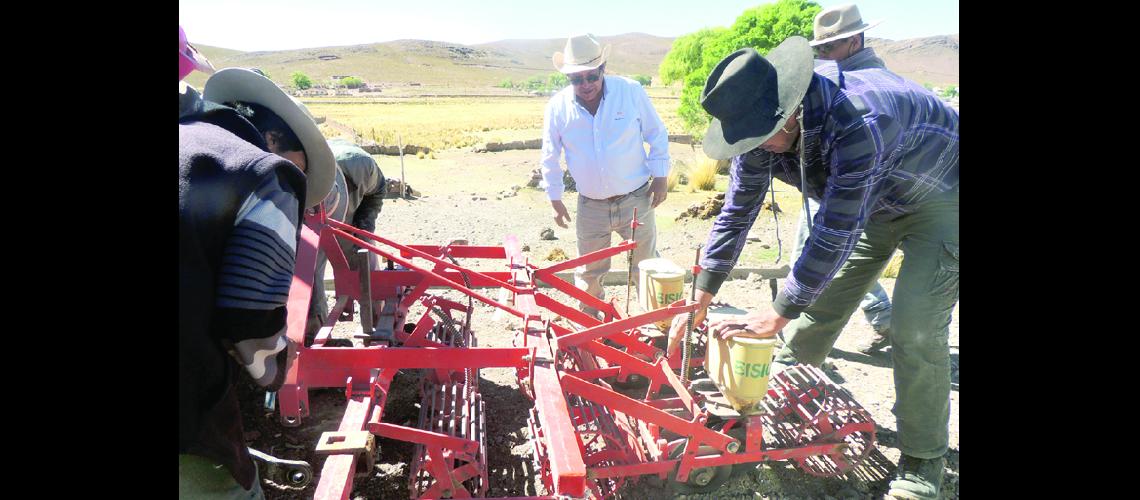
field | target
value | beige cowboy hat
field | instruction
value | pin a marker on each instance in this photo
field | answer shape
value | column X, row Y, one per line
column 839, row 22
column 240, row 84
column 582, row 53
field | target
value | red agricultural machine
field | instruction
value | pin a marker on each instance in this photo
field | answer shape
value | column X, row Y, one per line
column 589, row 435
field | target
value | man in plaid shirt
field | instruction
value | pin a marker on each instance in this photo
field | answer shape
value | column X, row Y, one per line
column 880, row 153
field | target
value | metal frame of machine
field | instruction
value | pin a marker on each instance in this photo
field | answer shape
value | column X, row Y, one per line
column 588, row 438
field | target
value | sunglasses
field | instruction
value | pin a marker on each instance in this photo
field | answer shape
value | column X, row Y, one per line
column 577, row 80
column 828, row 47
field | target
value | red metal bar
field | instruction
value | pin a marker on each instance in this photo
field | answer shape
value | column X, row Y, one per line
column 640, row 410
column 399, row 358
column 600, row 373
column 301, row 288
column 459, row 251
column 336, row 475
column 621, row 325
column 604, row 253
column 567, row 467
column 428, row 438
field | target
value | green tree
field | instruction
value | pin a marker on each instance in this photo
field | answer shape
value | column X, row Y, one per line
column 556, row 81
column 693, row 56
column 507, row 84
column 352, row 82
column 642, row 79
column 301, row 80
column 950, row 91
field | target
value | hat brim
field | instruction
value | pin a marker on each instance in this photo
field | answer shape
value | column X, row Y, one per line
column 845, row 34
column 240, row 84
column 792, row 60
column 567, row 69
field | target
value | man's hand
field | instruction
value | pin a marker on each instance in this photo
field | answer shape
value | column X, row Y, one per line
column 658, row 191
column 762, row 324
column 680, row 322
column 560, row 213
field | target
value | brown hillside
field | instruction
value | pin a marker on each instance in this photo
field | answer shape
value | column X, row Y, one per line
column 925, row 60
column 441, row 64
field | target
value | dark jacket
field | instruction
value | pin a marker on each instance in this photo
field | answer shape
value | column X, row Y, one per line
column 221, row 160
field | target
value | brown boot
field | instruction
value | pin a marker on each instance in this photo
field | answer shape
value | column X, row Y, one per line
column 876, row 343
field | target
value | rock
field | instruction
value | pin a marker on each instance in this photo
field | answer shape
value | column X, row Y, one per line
column 526, row 248
column 548, row 234
column 765, row 246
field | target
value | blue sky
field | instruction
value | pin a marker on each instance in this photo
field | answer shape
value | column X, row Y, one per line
column 251, row 25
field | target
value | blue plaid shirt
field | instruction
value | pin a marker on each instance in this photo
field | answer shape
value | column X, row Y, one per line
column 875, row 146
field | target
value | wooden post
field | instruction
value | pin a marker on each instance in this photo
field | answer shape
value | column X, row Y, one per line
column 403, row 185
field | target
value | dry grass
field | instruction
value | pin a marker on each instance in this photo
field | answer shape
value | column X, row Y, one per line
column 703, row 176
column 675, row 176
column 448, row 123
column 892, row 269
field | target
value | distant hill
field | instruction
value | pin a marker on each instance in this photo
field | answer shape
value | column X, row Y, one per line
column 437, row 63
column 441, row 64
column 932, row 59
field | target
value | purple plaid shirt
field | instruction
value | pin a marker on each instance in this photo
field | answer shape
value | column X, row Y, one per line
column 875, row 146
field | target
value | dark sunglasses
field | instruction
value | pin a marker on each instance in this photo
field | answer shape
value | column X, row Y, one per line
column 577, row 80
column 828, row 47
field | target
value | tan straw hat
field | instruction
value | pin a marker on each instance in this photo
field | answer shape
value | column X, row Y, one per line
column 582, row 53
column 240, row 84
column 837, row 23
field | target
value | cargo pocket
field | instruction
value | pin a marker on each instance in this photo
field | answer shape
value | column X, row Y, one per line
column 946, row 277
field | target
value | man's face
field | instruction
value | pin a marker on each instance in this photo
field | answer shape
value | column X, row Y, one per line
column 297, row 157
column 837, row 50
column 585, row 89
column 784, row 139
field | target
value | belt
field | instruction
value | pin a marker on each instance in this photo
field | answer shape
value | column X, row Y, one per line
column 618, row 197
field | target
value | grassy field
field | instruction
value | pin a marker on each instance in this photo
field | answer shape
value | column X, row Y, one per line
column 454, row 122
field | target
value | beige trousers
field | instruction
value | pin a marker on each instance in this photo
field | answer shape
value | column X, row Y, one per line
column 596, row 221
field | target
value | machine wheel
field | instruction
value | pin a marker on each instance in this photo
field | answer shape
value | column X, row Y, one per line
column 706, row 479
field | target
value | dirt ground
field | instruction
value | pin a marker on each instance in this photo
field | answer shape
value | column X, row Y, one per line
column 463, row 198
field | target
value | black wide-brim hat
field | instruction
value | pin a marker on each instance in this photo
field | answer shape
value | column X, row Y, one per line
column 750, row 96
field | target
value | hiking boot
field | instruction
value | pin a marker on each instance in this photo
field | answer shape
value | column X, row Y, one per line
column 878, row 341
column 917, row 478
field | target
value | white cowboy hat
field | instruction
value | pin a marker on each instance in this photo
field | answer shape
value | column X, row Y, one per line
column 837, row 23
column 582, row 53
column 240, row 84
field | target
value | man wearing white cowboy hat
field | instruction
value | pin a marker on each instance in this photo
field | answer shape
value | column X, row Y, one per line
column 244, row 177
column 839, row 37
column 601, row 122
column 881, row 153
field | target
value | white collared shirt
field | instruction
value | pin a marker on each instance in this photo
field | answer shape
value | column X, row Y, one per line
column 604, row 152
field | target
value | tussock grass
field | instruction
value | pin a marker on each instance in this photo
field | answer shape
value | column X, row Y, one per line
column 703, row 176
column 675, row 176
column 892, row 269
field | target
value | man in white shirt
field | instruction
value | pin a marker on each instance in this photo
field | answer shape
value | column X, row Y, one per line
column 601, row 122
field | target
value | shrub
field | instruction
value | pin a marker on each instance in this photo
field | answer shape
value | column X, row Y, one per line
column 352, row 82
column 642, row 79
column 301, row 80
